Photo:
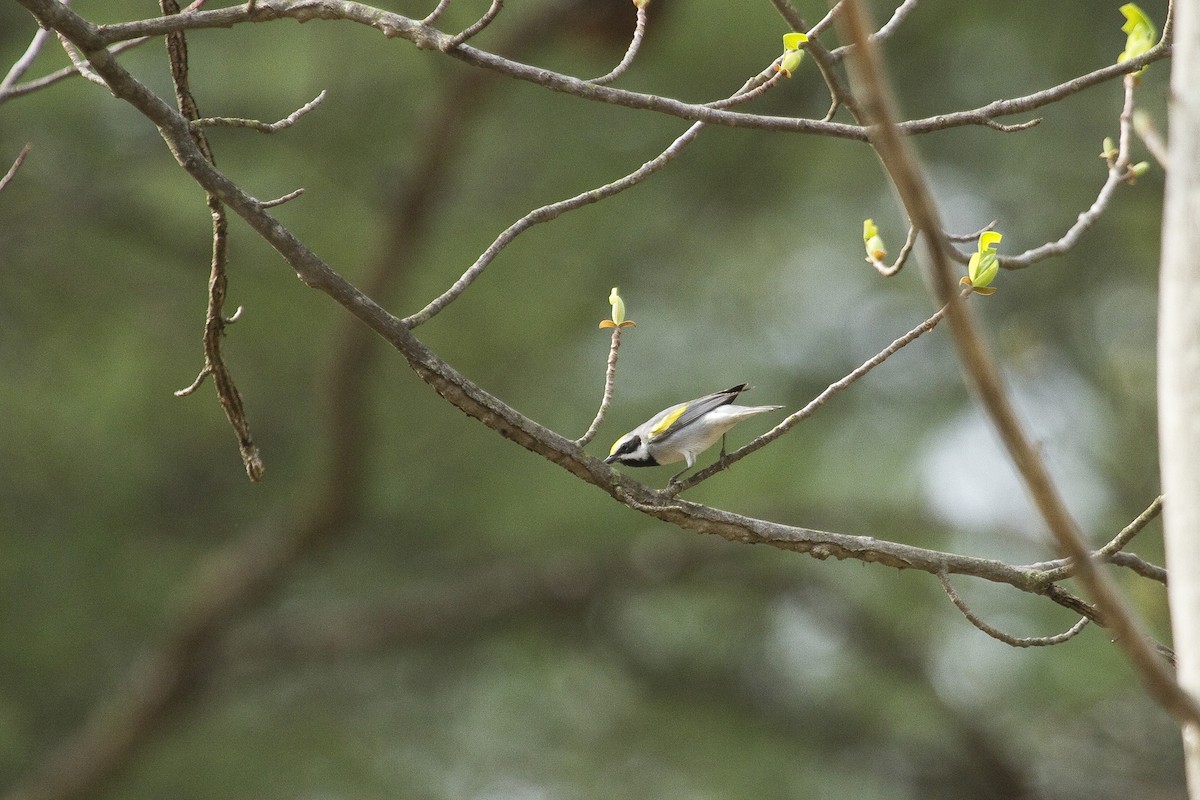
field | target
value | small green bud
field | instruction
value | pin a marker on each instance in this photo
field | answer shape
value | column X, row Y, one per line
column 984, row 265
column 618, row 312
column 792, row 54
column 876, row 251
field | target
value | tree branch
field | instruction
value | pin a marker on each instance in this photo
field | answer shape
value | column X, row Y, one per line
column 261, row 127
column 999, row 635
column 554, row 210
column 16, row 165
column 426, row 37
column 214, row 323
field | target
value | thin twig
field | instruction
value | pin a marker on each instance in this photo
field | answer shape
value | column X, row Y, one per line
column 22, row 64
column 1063, row 568
column 480, row 24
column 553, row 210
column 812, row 406
column 996, row 633
column 1141, row 566
column 825, row 21
column 747, row 93
column 1014, row 127
column 16, row 165
column 278, row 201
column 639, row 32
column 1118, row 171
column 81, row 65
column 437, row 12
column 214, row 323
column 1031, row 102
column 970, row 237
column 1122, row 539
column 261, row 127
column 895, row 152
column 888, row 28
column 610, row 381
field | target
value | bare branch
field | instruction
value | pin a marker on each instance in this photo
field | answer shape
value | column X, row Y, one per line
column 996, row 633
column 437, row 12
column 1118, row 171
column 610, row 380
column 889, row 27
column 554, row 210
column 479, row 25
column 196, row 384
column 278, row 201
column 1063, row 568
column 22, row 64
column 825, row 21
column 1021, row 105
column 970, row 237
column 1014, row 127
column 635, row 44
column 895, row 152
column 16, row 165
column 214, row 324
column 81, row 65
column 1139, row 565
column 261, row 127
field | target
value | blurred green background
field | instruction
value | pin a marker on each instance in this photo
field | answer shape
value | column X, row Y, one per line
column 476, row 623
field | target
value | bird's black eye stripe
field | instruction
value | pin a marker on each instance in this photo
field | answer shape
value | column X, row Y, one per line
column 629, row 445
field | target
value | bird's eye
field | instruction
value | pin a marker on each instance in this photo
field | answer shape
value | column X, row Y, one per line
column 626, row 445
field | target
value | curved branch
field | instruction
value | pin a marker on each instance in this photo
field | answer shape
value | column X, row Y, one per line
column 493, row 11
column 635, row 44
column 553, row 210
column 999, row 635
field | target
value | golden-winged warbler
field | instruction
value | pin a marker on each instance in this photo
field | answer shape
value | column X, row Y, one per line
column 683, row 431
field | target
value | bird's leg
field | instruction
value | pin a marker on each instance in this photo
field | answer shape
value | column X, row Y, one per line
column 722, row 458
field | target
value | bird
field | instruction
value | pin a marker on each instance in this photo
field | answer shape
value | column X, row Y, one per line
column 683, row 431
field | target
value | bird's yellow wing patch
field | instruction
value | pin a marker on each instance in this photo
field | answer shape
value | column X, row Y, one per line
column 668, row 421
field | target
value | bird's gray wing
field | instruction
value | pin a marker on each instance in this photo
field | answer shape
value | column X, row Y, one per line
column 691, row 411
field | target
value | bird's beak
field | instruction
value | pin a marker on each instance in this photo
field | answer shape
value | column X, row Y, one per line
column 610, row 459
